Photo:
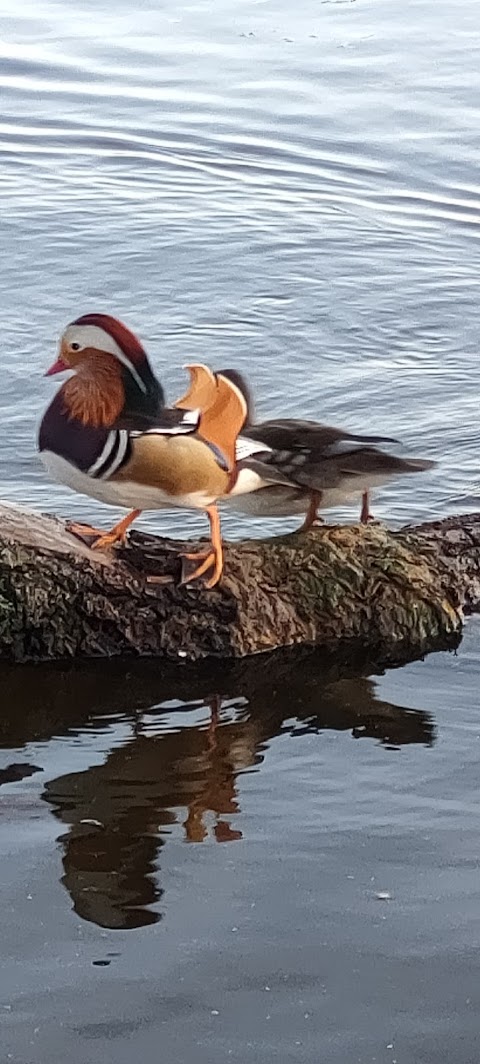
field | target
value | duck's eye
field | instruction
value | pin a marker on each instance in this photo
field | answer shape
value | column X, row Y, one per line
column 75, row 346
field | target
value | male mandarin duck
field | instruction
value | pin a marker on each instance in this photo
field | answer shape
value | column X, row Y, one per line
column 300, row 466
column 108, row 434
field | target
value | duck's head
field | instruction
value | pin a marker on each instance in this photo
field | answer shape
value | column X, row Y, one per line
column 101, row 350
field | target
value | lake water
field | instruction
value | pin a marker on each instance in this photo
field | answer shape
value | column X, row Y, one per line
column 292, row 190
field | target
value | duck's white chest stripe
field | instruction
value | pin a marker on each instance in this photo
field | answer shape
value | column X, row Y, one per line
column 112, row 455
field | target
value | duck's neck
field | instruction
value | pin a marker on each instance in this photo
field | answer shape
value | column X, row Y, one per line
column 146, row 401
column 95, row 395
column 103, row 392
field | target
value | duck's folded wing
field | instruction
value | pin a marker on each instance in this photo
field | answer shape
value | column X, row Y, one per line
column 112, row 454
column 318, row 457
column 168, row 421
column 297, row 434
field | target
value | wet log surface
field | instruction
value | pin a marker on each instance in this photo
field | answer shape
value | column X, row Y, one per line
column 345, row 588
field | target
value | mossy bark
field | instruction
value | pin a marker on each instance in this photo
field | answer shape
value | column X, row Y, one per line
column 395, row 595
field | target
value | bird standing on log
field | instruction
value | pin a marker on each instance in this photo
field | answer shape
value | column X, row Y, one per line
column 301, row 466
column 108, row 434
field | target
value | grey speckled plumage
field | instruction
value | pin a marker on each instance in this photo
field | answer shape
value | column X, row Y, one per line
column 304, row 458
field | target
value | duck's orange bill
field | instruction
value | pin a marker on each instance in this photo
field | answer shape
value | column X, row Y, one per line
column 57, row 367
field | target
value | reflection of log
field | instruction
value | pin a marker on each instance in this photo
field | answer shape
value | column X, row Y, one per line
column 395, row 595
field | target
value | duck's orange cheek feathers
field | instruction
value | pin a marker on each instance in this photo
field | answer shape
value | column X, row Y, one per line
column 90, row 403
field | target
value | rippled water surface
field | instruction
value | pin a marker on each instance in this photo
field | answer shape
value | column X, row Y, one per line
column 292, row 189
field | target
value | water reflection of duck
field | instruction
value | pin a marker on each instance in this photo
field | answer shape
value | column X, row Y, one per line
column 119, row 814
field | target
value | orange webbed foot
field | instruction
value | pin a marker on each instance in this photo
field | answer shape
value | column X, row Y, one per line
column 109, row 539
column 208, row 559
column 118, row 534
column 86, row 533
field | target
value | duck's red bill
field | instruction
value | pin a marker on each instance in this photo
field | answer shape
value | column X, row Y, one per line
column 57, row 367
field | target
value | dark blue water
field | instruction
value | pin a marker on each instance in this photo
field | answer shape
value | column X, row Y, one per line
column 292, row 190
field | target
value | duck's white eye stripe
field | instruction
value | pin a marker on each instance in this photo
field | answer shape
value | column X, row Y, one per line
column 95, row 336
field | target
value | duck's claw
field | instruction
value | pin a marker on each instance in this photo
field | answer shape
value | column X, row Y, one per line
column 197, row 555
column 117, row 534
column 213, row 557
column 207, row 559
column 86, row 533
column 316, row 522
column 110, row 539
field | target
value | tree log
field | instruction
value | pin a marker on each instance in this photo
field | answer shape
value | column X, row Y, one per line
column 392, row 596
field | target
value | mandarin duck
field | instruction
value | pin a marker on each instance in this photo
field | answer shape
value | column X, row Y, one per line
column 300, row 466
column 108, row 434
